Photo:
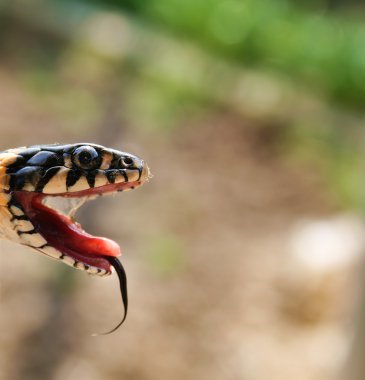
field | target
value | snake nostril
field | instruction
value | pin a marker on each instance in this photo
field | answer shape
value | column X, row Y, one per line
column 127, row 161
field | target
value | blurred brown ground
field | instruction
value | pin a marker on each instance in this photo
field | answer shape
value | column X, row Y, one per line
column 214, row 290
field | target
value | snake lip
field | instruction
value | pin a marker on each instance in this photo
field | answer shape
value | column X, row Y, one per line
column 72, row 244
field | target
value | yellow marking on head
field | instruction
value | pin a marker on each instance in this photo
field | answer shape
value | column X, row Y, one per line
column 119, row 178
column 107, row 159
column 4, row 178
column 7, row 230
column 16, row 150
column 67, row 161
column 101, row 180
column 16, row 210
column 81, row 184
column 132, row 175
column 7, row 158
column 57, row 184
column 4, row 199
column 5, row 213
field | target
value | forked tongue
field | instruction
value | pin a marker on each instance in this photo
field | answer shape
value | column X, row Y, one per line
column 117, row 265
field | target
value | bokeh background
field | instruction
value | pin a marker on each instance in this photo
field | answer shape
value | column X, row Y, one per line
column 245, row 252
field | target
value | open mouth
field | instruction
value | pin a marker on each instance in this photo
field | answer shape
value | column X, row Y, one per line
column 66, row 240
column 44, row 185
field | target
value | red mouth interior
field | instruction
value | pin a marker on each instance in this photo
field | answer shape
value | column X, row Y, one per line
column 66, row 235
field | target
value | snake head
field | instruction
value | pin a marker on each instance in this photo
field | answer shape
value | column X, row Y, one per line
column 35, row 180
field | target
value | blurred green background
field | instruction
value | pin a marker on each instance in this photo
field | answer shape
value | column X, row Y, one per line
column 245, row 252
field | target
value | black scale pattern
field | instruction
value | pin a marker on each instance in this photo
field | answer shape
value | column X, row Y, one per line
column 39, row 164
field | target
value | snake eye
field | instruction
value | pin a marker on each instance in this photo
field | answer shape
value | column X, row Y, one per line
column 86, row 157
column 126, row 162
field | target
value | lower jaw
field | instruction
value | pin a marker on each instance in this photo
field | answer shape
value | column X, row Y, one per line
column 78, row 248
column 98, row 265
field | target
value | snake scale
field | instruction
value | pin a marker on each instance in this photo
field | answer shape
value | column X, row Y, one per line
column 34, row 179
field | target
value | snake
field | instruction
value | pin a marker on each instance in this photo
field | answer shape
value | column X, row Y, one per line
column 43, row 186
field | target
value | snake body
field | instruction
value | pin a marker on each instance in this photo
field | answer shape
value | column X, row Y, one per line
column 32, row 176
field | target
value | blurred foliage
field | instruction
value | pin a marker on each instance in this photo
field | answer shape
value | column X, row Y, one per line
column 321, row 49
column 305, row 41
column 316, row 46
column 335, row 153
column 165, row 254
